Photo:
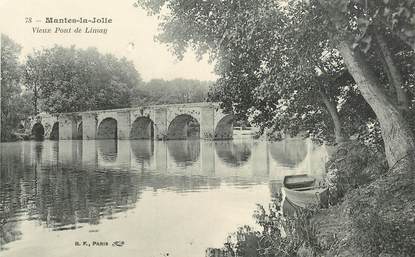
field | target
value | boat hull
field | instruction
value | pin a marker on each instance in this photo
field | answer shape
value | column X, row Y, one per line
column 306, row 198
column 298, row 181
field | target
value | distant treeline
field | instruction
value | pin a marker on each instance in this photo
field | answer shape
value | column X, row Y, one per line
column 159, row 91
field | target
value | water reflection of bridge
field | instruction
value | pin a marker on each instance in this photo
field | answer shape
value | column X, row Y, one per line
column 67, row 184
column 242, row 158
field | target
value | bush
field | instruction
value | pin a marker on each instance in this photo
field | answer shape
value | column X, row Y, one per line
column 353, row 164
column 279, row 236
column 7, row 134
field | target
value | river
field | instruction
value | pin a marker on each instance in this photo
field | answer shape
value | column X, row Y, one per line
column 174, row 198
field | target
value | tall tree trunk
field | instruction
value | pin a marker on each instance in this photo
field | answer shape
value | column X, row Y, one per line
column 392, row 71
column 397, row 135
column 331, row 107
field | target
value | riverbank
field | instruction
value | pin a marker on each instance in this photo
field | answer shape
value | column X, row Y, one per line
column 372, row 213
column 373, row 207
column 373, row 220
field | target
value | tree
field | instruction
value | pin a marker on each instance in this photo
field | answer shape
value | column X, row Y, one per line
column 73, row 80
column 341, row 15
column 259, row 61
column 396, row 17
column 14, row 105
column 225, row 28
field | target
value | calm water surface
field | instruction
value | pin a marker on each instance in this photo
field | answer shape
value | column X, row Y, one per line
column 172, row 198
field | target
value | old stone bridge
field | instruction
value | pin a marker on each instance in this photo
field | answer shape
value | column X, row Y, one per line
column 172, row 121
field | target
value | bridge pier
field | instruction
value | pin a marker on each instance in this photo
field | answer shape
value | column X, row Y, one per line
column 89, row 126
column 207, row 120
column 160, row 124
column 67, row 127
column 123, row 125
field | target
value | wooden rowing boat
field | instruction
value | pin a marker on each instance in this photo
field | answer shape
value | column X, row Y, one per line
column 298, row 181
column 302, row 191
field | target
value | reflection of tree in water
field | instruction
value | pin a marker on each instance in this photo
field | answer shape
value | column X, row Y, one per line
column 288, row 153
column 12, row 190
column 233, row 153
column 9, row 208
column 184, row 152
column 108, row 149
column 60, row 196
column 64, row 197
column 143, row 150
column 67, row 196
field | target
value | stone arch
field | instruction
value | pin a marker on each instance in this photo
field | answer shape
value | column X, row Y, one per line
column 233, row 154
column 38, row 131
column 142, row 128
column 80, row 131
column 108, row 129
column 224, row 128
column 184, row 126
column 288, row 152
column 54, row 133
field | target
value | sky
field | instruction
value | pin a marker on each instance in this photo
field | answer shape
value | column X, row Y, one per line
column 131, row 34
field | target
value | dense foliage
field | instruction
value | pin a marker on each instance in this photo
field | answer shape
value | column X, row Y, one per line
column 351, row 166
column 15, row 104
column 159, row 91
column 273, row 66
column 71, row 80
